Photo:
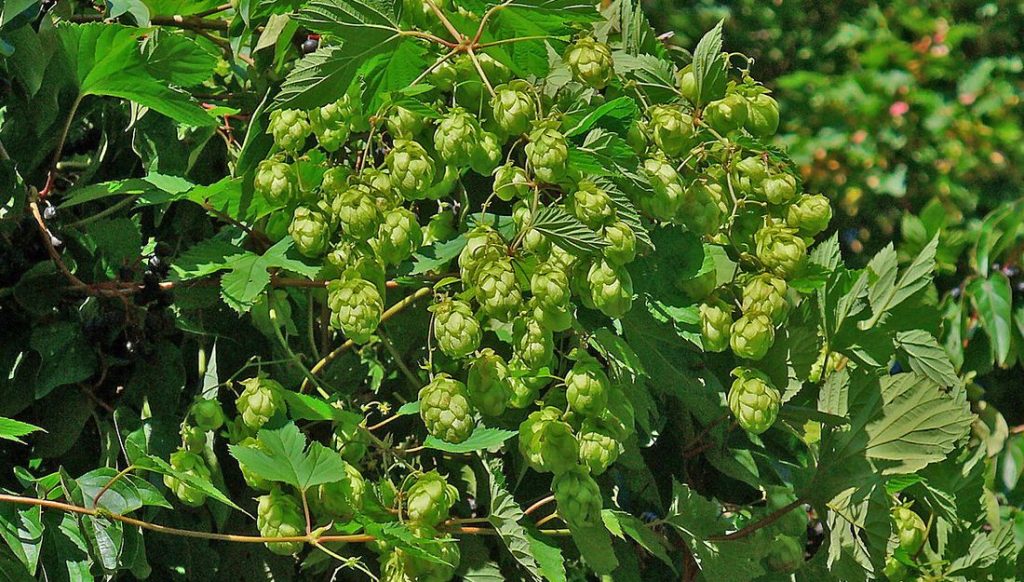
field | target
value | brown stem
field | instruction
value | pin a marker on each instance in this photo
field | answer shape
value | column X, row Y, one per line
column 188, row 22
column 114, row 479
column 539, row 504
column 766, row 521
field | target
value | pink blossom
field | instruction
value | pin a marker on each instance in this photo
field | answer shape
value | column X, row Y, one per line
column 899, row 109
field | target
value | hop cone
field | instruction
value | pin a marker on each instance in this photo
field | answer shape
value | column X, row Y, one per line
column 193, row 465
column 762, row 116
column 666, row 196
column 430, row 499
column 329, row 125
column 591, row 204
column 497, row 289
column 578, row 497
column 275, row 181
column 715, row 321
column 547, row 443
column 487, row 383
column 445, row 409
column 753, row 400
column 726, row 114
column 780, row 250
column 672, row 130
column 810, row 214
column 598, row 447
column 766, row 294
column 310, row 230
column 513, row 107
column 259, row 401
column 455, row 328
column 358, row 213
column 399, row 237
column 587, row 387
column 290, row 128
column 456, row 137
column 280, row 515
column 343, row 499
column 751, row 336
column 547, row 153
column 611, row 289
column 590, row 62
column 510, row 182
column 356, row 307
column 412, row 170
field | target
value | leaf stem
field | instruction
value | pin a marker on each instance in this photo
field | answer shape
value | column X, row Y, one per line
column 114, row 479
column 766, row 521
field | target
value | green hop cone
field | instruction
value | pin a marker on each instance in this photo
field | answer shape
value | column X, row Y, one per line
column 511, row 182
column 456, row 329
column 378, row 184
column 715, row 322
column 688, row 84
column 358, row 213
column 424, row 570
column 487, row 155
column 351, row 439
column 405, row 124
column 533, row 240
column 621, row 240
column 430, row 499
column 766, row 294
column 762, row 115
column 667, row 194
column 894, row 570
column 547, row 442
column 193, row 439
column 547, row 153
column 810, row 214
column 753, row 400
column 553, row 318
column 611, row 289
column 483, row 246
column 208, row 414
column 275, row 181
column 590, row 62
column 726, row 114
column 751, row 173
column 252, row 479
column 591, row 204
column 909, row 528
column 350, row 259
column 638, row 136
column 356, row 307
column 446, row 410
column 587, row 387
column 534, row 345
column 780, row 250
column 513, row 107
column 550, row 285
column 310, row 231
column 701, row 209
column 412, row 170
column 578, row 497
column 487, row 383
column 525, row 387
column 786, row 554
column 751, row 336
column 329, row 125
column 456, row 137
column 334, row 182
column 194, row 466
column 279, row 515
column 497, row 289
column 440, row 228
column 599, row 447
column 342, row 500
column 290, row 128
column 399, row 237
column 779, row 188
column 672, row 130
column 260, row 400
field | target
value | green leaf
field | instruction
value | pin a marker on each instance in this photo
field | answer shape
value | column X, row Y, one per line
column 595, row 544
column 206, row 258
column 125, row 495
column 482, row 438
column 567, row 231
column 638, row 531
column 886, row 292
column 284, row 457
column 249, row 274
column 13, row 430
column 323, row 76
column 179, row 60
column 22, row 529
column 67, row 356
column 927, row 357
column 306, row 407
column 105, row 60
column 622, row 110
column 505, row 515
column 993, row 299
column 155, row 463
column 392, row 71
column 709, row 67
column 370, row 21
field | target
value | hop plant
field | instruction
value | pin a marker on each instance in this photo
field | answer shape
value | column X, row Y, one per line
column 342, row 500
column 405, row 124
column 762, row 115
column 590, row 62
column 412, row 170
column 208, row 414
column 726, row 114
column 275, row 181
column 400, row 235
column 456, row 329
column 430, row 499
column 701, row 209
column 766, row 294
column 587, row 387
column 350, row 439
column 785, row 555
column 310, row 230
column 547, row 443
column 356, row 307
column 910, row 529
column 547, row 152
column 510, row 182
column 446, row 410
column 290, row 128
column 513, row 108
column 191, row 464
column 810, row 214
column 329, row 125
column 715, row 323
column 524, row 389
column 779, row 188
column 611, row 289
column 487, row 383
column 483, row 247
column 591, row 204
column 621, row 240
column 599, row 447
column 456, row 137
column 534, row 345
column 753, row 400
column 497, row 289
column 751, row 336
column 193, row 439
column 578, row 497
column 358, row 212
column 666, row 195
column 672, row 129
column 423, row 570
column 487, row 155
column 780, row 250
column 252, row 479
column 549, row 285
column 279, row 515
column 259, row 401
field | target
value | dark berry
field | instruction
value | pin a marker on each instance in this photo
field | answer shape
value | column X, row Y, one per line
column 309, row 45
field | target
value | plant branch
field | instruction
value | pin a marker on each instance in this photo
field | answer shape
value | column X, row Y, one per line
column 765, row 522
column 188, row 22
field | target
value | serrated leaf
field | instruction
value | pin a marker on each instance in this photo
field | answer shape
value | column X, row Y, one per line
column 400, row 535
column 638, row 531
column 886, row 291
column 307, row 407
column 154, row 463
column 709, row 67
column 505, row 515
column 366, row 20
column 622, row 110
column 22, row 529
column 927, row 357
column 482, row 438
column 625, row 210
column 993, row 298
column 285, row 458
column 567, row 231
column 595, row 545
column 13, row 430
column 321, row 77
column 249, row 274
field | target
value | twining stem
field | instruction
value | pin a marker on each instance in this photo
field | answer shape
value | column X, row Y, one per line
column 288, row 350
column 765, row 522
column 539, row 504
column 59, row 149
column 480, row 70
column 542, row 521
column 413, row 380
column 505, row 41
column 127, row 201
column 114, row 479
column 444, row 20
column 483, row 21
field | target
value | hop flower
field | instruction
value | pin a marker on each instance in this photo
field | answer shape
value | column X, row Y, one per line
column 780, row 250
column 487, row 383
column 310, row 230
column 399, row 236
column 638, row 136
column 279, row 515
column 358, row 213
column 551, row 317
column 587, row 387
column 525, row 387
column 455, row 328
column 672, row 130
column 547, row 443
column 909, row 528
column 751, row 173
column 533, row 240
column 533, row 344
column 430, row 499
column 715, row 321
column 456, row 137
column 334, row 182
column 251, row 478
column 590, row 62
column 762, row 115
column 786, row 554
column 751, row 335
column 290, row 128
column 753, row 400
column 487, row 155
column 329, row 125
column 259, row 401
column 208, row 414
column 701, row 210
column 766, row 294
column 688, row 84
column 275, row 181
column 611, row 289
column 350, row 260
column 621, row 240
column 591, row 204
column 483, row 246
column 420, row 569
column 351, row 439
column 547, row 152
column 356, row 307
column 598, row 447
column 550, row 285
column 510, row 182
column 343, row 499
column 667, row 190
column 497, row 289
column 192, row 465
column 726, row 114
column 779, row 188
column 578, row 497
column 193, row 439
column 412, row 170
column 445, row 409
column 513, row 107
column 810, row 214
column 405, row 124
